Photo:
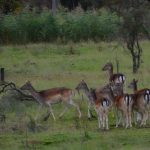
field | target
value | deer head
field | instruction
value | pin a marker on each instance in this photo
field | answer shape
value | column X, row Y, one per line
column 133, row 84
column 108, row 66
column 27, row 86
column 82, row 86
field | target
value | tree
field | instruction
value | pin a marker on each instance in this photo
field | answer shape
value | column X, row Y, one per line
column 54, row 7
column 9, row 6
column 134, row 26
column 85, row 4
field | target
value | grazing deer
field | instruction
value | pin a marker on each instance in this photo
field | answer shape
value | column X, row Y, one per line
column 115, row 78
column 141, row 101
column 53, row 96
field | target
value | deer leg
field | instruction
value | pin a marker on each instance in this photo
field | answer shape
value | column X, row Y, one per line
column 89, row 112
column 64, row 111
column 130, row 119
column 126, row 119
column 146, row 117
column 134, row 117
column 99, row 120
column 139, row 117
column 39, row 110
column 51, row 111
column 103, row 120
column 71, row 102
column 107, row 127
column 142, row 121
column 122, row 119
column 117, row 117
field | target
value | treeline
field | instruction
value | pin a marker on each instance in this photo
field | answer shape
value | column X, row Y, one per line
column 23, row 21
column 74, row 26
column 7, row 6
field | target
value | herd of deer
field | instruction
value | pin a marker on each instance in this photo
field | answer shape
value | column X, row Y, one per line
column 110, row 97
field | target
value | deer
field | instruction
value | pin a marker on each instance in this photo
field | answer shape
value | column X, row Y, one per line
column 53, row 96
column 102, row 107
column 102, row 99
column 141, row 101
column 122, row 102
column 113, row 93
column 115, row 78
column 82, row 86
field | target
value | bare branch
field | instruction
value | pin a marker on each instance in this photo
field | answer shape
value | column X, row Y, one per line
column 14, row 88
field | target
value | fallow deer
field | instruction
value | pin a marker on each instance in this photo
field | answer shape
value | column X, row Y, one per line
column 141, row 101
column 113, row 92
column 82, row 86
column 53, row 96
column 106, row 97
column 100, row 100
column 122, row 102
column 102, row 107
column 115, row 78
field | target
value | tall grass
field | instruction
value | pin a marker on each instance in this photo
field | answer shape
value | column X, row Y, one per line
column 32, row 27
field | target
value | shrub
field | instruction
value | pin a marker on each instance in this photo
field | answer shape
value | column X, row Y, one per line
column 89, row 26
column 33, row 27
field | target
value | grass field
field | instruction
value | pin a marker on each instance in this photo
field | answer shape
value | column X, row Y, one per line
column 55, row 65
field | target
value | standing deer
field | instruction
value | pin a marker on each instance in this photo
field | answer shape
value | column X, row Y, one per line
column 115, row 78
column 141, row 101
column 53, row 96
column 101, row 99
column 82, row 86
column 124, row 103
column 121, row 102
column 102, row 107
column 104, row 98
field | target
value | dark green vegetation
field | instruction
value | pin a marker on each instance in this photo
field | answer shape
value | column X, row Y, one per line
column 76, row 26
column 53, row 65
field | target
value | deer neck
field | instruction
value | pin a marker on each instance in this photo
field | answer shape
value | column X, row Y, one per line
column 87, row 92
column 135, row 87
column 110, row 72
column 111, row 95
column 36, row 96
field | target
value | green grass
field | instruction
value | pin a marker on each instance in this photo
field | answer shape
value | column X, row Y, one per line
column 53, row 65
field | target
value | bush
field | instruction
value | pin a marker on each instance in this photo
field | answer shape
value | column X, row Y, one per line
column 28, row 27
column 32, row 27
column 89, row 26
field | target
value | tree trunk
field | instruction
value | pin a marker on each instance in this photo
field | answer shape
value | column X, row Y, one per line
column 54, row 7
column 135, row 68
column 136, row 60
